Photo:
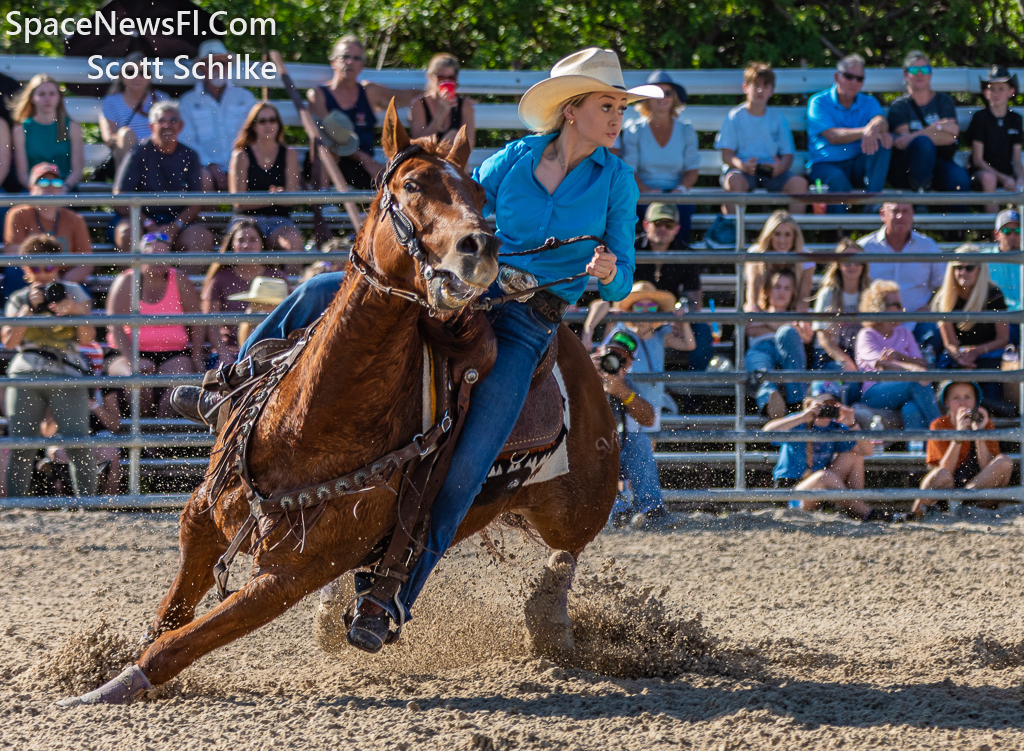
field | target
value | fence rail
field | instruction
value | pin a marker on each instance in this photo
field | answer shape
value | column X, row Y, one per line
column 135, row 441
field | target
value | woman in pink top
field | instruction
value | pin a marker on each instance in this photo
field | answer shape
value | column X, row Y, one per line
column 171, row 349
column 890, row 346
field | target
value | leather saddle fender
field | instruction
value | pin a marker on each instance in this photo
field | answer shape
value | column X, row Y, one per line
column 540, row 422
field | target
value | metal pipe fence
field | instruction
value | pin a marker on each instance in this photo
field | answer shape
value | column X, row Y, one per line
column 135, row 440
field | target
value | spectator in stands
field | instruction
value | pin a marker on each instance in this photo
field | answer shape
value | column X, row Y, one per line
column 440, row 111
column 830, row 464
column 995, row 136
column 213, row 112
column 1006, row 276
column 967, row 288
column 45, row 353
column 661, row 149
column 643, row 346
column 917, row 280
column 171, row 349
column 261, row 163
column 842, row 285
column 777, row 346
column 124, row 122
column 162, row 164
column 6, row 153
column 223, row 282
column 884, row 345
column 756, row 143
column 45, row 133
column 924, row 128
column 358, row 100
column 963, row 464
column 780, row 234
column 848, row 136
column 64, row 225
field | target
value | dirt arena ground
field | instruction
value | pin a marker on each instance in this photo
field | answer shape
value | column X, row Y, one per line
column 753, row 630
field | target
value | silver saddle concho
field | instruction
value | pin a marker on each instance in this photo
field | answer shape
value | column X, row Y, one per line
column 512, row 280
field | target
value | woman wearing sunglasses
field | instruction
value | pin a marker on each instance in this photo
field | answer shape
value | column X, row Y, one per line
column 172, row 349
column 440, row 111
column 44, row 353
column 261, row 163
column 967, row 288
column 924, row 127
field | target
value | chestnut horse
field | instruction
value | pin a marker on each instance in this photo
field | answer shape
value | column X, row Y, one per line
column 355, row 394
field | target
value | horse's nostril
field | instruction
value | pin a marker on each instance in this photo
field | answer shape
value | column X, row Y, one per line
column 474, row 244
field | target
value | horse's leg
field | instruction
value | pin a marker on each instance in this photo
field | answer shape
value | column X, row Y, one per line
column 201, row 543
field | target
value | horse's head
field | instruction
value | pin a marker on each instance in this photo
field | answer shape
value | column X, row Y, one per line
column 457, row 254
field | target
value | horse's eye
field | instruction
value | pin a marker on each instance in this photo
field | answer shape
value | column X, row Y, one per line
column 411, row 187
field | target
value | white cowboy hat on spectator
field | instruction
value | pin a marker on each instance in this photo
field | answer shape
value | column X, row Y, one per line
column 647, row 291
column 339, row 133
column 584, row 72
column 265, row 290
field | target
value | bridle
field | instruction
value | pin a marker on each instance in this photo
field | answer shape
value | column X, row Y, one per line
column 405, row 233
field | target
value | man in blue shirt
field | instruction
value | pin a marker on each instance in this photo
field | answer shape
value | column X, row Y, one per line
column 1006, row 276
column 848, row 135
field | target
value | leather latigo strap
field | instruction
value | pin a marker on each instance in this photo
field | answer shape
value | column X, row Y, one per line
column 407, row 542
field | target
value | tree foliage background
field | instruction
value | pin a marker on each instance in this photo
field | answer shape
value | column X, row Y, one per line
column 646, row 33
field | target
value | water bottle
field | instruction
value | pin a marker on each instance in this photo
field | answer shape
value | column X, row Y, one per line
column 795, row 503
column 915, row 447
column 928, row 353
column 716, row 330
column 1011, row 361
column 876, row 425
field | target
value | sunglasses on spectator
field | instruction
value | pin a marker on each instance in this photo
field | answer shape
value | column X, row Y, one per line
column 49, row 182
column 1010, row 230
column 351, row 58
column 452, row 79
column 851, row 263
column 919, row 70
column 168, row 120
column 38, row 269
column 852, row 77
column 641, row 308
column 968, row 267
column 665, row 224
column 894, row 305
column 155, row 237
column 265, row 120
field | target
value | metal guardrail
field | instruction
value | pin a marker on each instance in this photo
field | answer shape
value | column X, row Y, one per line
column 134, row 440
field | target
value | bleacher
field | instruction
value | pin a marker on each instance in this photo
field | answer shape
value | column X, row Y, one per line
column 496, row 115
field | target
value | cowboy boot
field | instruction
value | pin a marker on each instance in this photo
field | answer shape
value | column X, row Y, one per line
column 370, row 627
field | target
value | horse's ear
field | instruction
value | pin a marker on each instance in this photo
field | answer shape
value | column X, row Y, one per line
column 459, row 152
column 395, row 138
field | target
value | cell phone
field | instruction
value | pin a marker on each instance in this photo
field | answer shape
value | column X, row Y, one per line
column 830, row 411
column 764, row 170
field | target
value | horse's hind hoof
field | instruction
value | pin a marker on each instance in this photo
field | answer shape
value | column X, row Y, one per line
column 548, row 625
column 121, row 690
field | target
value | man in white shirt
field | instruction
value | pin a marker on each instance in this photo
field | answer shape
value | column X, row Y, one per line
column 213, row 113
column 917, row 280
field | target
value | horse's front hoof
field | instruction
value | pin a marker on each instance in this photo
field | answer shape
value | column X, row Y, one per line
column 121, row 690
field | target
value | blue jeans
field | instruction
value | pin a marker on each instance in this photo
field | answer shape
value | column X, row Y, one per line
column 522, row 337
column 783, row 352
column 848, row 392
column 298, row 310
column 863, row 171
column 918, row 167
column 637, row 465
column 916, row 402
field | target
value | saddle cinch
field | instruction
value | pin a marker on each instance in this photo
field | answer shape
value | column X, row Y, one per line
column 538, row 428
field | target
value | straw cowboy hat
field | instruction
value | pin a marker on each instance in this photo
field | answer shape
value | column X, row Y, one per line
column 647, row 291
column 265, row 290
column 584, row 72
column 339, row 133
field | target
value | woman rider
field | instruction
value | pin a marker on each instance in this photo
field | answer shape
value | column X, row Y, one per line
column 561, row 182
